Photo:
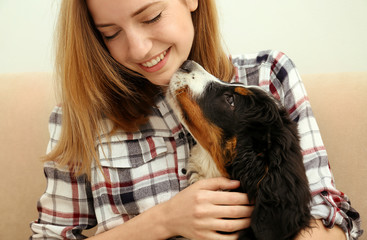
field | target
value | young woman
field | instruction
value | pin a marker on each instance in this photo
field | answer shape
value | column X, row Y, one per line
column 117, row 154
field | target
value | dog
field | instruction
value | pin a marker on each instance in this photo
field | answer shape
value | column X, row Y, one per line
column 244, row 133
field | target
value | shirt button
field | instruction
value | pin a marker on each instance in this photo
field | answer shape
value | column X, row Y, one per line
column 181, row 135
column 184, row 171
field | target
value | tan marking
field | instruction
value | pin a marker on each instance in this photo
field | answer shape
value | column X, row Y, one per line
column 266, row 172
column 230, row 150
column 242, row 90
column 208, row 134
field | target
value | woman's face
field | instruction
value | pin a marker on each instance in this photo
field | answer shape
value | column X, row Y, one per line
column 151, row 37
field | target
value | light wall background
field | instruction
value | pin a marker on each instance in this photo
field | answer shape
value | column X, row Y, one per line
column 319, row 35
column 26, row 29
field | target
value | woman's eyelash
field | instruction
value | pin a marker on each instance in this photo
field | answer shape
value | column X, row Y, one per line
column 154, row 19
column 111, row 36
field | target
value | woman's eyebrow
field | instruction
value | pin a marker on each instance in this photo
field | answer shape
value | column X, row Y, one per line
column 139, row 11
column 143, row 8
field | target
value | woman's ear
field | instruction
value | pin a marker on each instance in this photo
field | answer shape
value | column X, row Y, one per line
column 192, row 4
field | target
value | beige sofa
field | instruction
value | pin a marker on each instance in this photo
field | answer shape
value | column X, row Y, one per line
column 339, row 103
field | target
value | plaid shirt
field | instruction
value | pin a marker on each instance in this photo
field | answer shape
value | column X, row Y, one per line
column 147, row 167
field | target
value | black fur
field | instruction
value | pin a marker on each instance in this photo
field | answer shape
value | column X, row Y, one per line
column 269, row 162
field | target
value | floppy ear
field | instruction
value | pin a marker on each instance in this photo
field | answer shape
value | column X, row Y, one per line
column 283, row 196
column 249, row 168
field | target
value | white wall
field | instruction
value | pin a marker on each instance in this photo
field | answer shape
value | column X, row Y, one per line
column 319, row 35
column 26, row 29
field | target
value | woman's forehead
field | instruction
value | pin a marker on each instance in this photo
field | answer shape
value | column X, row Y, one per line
column 110, row 10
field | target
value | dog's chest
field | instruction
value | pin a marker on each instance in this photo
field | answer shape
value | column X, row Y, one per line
column 201, row 165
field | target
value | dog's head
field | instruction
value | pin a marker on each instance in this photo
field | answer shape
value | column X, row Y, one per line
column 215, row 112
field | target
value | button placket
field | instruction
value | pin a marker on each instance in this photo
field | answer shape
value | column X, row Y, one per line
column 183, row 153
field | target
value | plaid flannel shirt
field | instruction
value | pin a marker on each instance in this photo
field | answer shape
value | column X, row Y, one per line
column 147, row 167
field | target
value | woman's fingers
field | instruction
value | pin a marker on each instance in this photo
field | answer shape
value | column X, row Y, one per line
column 222, row 204
column 233, row 211
column 228, row 198
column 231, row 225
column 223, row 229
column 222, row 211
column 215, row 184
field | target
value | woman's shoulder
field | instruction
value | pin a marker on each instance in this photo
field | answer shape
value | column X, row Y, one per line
column 272, row 70
column 54, row 122
column 272, row 58
column 54, row 127
column 263, row 66
column 106, row 135
column 160, row 123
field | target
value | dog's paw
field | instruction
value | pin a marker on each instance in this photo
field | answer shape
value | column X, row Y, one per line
column 194, row 177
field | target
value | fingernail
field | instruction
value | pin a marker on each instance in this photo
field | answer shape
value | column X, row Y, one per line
column 234, row 181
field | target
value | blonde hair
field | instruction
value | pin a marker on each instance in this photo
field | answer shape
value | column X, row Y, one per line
column 207, row 49
column 94, row 86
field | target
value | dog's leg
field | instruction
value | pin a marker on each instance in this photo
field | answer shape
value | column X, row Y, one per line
column 201, row 165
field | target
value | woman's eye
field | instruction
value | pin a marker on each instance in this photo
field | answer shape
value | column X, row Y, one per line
column 230, row 100
column 110, row 37
column 155, row 19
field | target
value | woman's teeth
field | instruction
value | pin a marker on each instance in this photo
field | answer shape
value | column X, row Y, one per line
column 155, row 61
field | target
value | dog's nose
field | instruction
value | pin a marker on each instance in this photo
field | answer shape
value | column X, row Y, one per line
column 187, row 66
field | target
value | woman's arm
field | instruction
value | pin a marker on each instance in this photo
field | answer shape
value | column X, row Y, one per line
column 66, row 208
column 196, row 213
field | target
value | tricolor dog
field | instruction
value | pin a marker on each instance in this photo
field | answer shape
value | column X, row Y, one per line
column 245, row 134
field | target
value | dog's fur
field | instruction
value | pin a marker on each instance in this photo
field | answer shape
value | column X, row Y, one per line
column 244, row 133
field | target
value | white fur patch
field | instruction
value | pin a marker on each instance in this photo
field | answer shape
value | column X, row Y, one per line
column 196, row 80
column 200, row 165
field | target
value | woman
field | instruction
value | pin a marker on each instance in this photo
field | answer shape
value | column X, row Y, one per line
column 118, row 161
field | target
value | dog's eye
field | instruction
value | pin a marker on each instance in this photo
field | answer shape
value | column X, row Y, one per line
column 230, row 100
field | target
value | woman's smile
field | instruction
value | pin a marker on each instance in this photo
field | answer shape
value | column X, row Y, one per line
column 156, row 63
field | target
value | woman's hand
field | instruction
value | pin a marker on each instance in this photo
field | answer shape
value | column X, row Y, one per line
column 202, row 209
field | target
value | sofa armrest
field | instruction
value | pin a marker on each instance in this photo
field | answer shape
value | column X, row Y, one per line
column 339, row 103
column 26, row 100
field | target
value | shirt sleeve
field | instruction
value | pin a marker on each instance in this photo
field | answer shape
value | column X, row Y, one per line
column 328, row 203
column 66, row 208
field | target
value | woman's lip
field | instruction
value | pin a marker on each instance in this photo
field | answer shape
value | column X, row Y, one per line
column 159, row 65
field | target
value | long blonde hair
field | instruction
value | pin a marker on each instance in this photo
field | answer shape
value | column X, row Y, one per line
column 93, row 85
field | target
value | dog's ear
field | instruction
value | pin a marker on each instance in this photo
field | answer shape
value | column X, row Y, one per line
column 249, row 167
column 283, row 196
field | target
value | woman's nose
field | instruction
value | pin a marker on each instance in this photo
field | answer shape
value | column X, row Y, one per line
column 139, row 45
